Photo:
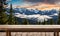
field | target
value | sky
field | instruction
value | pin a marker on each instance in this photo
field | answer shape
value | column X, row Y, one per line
column 39, row 4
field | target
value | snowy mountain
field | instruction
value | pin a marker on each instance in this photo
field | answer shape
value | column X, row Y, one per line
column 34, row 14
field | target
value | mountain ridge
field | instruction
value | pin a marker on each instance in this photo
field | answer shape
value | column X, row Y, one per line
column 35, row 14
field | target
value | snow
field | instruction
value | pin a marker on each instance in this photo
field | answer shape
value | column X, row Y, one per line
column 37, row 16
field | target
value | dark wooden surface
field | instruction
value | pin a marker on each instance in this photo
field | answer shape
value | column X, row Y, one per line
column 30, row 29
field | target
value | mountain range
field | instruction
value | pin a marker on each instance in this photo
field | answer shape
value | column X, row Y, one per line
column 35, row 14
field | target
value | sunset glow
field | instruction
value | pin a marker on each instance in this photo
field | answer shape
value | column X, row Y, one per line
column 36, row 4
column 41, row 7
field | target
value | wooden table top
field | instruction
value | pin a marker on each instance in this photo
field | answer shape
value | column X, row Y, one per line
column 30, row 28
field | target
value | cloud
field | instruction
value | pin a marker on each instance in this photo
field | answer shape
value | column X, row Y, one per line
column 43, row 1
column 34, row 1
column 8, row 0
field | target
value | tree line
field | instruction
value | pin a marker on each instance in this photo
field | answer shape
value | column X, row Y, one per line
column 4, row 18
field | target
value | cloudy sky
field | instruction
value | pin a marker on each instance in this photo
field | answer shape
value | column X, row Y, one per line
column 35, row 3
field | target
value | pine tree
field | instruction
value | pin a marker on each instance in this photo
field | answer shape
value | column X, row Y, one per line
column 38, row 22
column 44, row 23
column 58, row 21
column 25, row 22
column 51, row 21
column 3, row 16
column 11, row 19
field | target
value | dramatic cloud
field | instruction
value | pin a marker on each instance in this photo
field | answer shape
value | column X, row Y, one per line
column 43, row 1
column 33, row 4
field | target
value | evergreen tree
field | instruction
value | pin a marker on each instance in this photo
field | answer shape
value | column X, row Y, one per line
column 38, row 22
column 44, row 23
column 51, row 21
column 25, row 22
column 11, row 19
column 3, row 16
column 58, row 21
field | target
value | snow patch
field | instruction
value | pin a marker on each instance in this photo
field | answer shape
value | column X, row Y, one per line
column 37, row 16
